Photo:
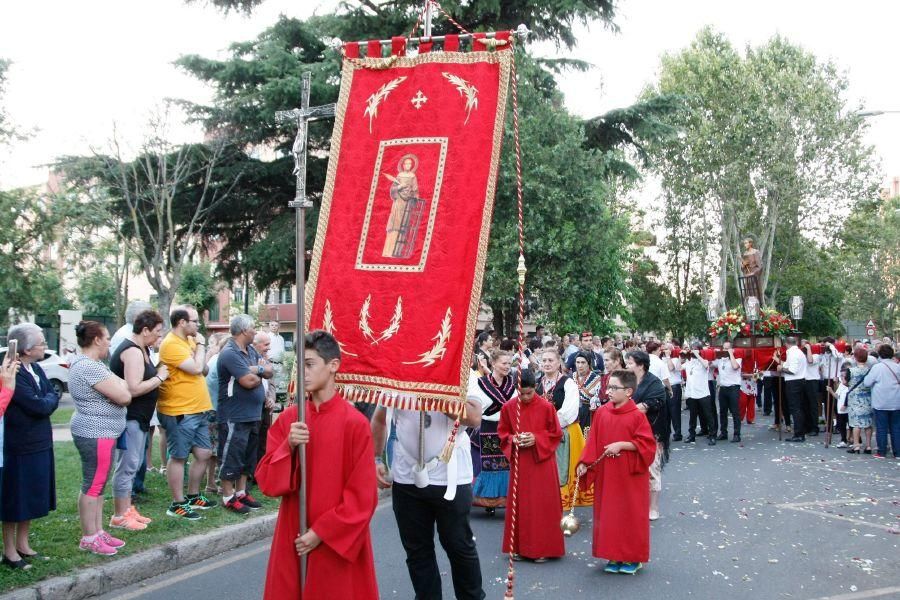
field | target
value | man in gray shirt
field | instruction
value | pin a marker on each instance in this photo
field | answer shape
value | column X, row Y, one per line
column 884, row 380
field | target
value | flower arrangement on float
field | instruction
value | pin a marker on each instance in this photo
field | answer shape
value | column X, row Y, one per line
column 774, row 323
column 730, row 325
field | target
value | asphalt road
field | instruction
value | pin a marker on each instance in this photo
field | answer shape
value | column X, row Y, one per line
column 760, row 520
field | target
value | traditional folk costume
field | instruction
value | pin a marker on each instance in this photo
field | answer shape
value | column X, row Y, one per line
column 747, row 400
column 622, row 483
column 589, row 388
column 563, row 394
column 342, row 497
column 538, row 503
column 489, row 463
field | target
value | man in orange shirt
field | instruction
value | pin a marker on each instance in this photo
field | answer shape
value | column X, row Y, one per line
column 182, row 410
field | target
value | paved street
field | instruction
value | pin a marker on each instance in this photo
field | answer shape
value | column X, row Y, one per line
column 762, row 520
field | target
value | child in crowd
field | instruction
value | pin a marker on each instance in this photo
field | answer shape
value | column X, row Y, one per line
column 622, row 437
column 840, row 395
column 538, row 505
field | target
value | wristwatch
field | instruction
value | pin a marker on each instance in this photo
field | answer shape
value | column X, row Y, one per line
column 260, row 370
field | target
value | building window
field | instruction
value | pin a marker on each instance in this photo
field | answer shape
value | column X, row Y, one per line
column 214, row 311
column 237, row 295
column 285, row 295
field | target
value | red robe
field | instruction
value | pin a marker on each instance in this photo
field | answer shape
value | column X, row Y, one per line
column 621, row 484
column 341, row 499
column 538, row 504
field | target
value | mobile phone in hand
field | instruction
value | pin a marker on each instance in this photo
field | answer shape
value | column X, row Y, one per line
column 13, row 350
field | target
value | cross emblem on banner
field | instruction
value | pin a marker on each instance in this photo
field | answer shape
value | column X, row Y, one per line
column 419, row 99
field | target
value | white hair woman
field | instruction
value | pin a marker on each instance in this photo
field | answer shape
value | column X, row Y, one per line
column 29, row 479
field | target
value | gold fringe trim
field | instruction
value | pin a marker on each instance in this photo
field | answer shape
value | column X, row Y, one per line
column 402, row 400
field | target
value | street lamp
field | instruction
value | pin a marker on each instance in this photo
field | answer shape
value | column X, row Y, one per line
column 712, row 310
column 796, row 310
column 752, row 309
column 875, row 113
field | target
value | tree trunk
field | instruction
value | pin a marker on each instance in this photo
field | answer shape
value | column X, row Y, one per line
column 165, row 296
column 498, row 321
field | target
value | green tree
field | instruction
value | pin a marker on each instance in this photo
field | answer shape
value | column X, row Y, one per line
column 869, row 265
column 97, row 293
column 27, row 228
column 198, row 287
column 768, row 147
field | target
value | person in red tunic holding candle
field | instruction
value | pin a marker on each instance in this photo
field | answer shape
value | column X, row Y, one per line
column 341, row 489
column 621, row 435
column 538, row 505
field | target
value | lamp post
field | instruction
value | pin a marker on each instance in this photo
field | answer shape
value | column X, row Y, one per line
column 796, row 311
column 712, row 310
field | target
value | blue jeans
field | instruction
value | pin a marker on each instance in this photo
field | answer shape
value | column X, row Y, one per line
column 887, row 421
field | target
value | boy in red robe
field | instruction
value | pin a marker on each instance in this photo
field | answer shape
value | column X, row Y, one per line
column 538, row 505
column 341, row 492
column 622, row 435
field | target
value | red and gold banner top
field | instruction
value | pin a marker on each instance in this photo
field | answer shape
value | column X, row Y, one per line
column 402, row 238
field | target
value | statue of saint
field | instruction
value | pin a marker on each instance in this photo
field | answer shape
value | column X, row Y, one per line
column 751, row 262
column 404, row 192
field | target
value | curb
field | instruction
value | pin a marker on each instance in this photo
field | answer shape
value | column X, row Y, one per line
column 96, row 581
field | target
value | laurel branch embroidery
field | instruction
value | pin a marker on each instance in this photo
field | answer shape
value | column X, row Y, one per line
column 378, row 97
column 328, row 325
column 465, row 89
column 440, row 346
column 392, row 328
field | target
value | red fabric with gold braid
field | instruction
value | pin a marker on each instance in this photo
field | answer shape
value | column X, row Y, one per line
column 399, row 257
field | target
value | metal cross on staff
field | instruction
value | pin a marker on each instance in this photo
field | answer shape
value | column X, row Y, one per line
column 302, row 117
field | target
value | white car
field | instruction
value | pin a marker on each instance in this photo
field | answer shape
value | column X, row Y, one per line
column 54, row 366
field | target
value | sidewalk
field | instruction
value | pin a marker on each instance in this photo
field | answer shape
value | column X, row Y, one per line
column 95, row 581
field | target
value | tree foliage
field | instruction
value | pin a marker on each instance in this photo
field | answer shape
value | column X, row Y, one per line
column 97, row 293
column 198, row 287
column 769, row 147
column 30, row 284
column 869, row 263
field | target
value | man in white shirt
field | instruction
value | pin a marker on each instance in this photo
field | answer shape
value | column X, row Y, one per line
column 696, row 390
column 729, row 393
column 673, row 365
column 429, row 493
column 276, row 347
column 812, row 390
column 794, row 370
column 125, row 331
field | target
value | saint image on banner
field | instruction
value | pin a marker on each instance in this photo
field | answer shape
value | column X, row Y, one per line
column 406, row 210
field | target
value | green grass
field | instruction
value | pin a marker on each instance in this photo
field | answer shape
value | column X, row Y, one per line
column 62, row 416
column 57, row 535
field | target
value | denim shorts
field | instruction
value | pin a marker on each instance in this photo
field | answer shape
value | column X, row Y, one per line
column 185, row 432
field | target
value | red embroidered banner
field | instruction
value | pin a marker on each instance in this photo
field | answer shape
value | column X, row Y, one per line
column 399, row 256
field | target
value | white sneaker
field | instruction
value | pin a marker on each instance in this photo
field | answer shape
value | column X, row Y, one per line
column 654, row 515
column 842, row 445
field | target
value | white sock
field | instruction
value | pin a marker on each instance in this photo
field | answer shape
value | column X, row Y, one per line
column 240, row 493
column 89, row 538
column 227, row 499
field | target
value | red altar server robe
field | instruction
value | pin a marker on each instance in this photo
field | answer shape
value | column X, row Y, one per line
column 341, row 499
column 538, row 503
column 621, row 484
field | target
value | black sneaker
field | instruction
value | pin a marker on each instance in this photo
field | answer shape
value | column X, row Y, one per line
column 250, row 502
column 711, row 441
column 235, row 505
column 736, row 438
column 722, row 437
column 677, row 437
column 183, row 511
column 200, row 502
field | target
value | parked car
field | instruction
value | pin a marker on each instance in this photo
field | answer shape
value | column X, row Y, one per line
column 54, row 366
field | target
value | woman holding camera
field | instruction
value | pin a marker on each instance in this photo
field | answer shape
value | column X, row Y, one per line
column 29, row 476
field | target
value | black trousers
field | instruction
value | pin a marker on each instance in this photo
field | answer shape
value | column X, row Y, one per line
column 779, row 400
column 584, row 416
column 769, row 394
column 811, row 405
column 712, row 394
column 795, row 397
column 729, row 396
column 701, row 408
column 842, row 420
column 418, row 511
column 675, row 409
